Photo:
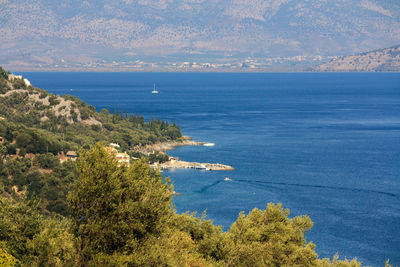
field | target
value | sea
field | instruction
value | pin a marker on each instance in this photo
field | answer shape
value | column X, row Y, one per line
column 326, row 145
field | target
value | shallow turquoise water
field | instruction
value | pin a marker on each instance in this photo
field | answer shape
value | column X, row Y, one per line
column 323, row 144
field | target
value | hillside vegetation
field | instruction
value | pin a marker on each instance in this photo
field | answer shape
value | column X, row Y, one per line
column 95, row 212
column 387, row 59
column 38, row 128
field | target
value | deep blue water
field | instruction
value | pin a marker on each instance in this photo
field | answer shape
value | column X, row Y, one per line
column 323, row 144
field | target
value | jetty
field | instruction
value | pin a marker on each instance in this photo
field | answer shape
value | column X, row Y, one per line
column 175, row 163
column 179, row 164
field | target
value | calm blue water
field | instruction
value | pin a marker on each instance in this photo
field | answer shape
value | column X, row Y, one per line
column 323, row 144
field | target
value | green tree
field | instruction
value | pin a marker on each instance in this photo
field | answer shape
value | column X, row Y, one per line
column 269, row 238
column 23, row 140
column 209, row 240
column 341, row 263
column 6, row 259
column 46, row 161
column 20, row 221
column 3, row 150
column 3, row 74
column 54, row 245
column 115, row 209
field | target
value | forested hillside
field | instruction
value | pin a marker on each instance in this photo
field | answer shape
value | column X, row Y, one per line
column 37, row 129
column 96, row 212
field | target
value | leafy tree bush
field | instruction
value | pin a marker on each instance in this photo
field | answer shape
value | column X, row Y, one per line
column 158, row 157
column 28, row 238
column 85, row 113
column 35, row 182
column 46, row 161
column 3, row 74
column 17, row 169
column 6, row 259
column 74, row 116
column 54, row 245
column 269, row 237
column 11, row 149
column 19, row 84
column 96, row 127
column 3, row 150
column 20, row 221
column 3, row 86
column 136, row 207
column 341, row 263
column 53, row 100
column 33, row 141
column 43, row 94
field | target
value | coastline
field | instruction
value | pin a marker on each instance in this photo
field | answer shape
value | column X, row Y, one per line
column 174, row 163
column 171, row 145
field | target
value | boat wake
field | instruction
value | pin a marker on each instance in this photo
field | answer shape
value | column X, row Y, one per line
column 268, row 185
column 205, row 188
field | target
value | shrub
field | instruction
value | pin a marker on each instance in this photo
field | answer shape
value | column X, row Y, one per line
column 43, row 94
column 11, row 149
column 3, row 74
column 84, row 113
column 19, row 84
column 74, row 116
column 3, row 86
column 96, row 127
column 54, row 100
column 46, row 161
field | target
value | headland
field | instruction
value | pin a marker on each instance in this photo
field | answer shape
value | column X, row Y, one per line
column 175, row 163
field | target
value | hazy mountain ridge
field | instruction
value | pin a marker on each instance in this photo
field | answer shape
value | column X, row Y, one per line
column 387, row 59
column 68, row 32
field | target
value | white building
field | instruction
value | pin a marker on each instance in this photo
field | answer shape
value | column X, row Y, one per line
column 13, row 77
column 114, row 145
column 27, row 82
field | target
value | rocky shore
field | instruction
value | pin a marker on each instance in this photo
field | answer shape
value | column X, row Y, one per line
column 172, row 164
column 171, row 145
column 175, row 163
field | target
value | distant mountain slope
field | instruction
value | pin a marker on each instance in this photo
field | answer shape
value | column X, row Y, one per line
column 387, row 59
column 71, row 33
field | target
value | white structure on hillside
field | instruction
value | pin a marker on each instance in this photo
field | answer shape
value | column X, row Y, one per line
column 122, row 158
column 114, row 145
column 13, row 77
column 27, row 82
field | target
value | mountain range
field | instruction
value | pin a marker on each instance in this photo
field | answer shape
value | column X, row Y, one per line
column 387, row 59
column 72, row 34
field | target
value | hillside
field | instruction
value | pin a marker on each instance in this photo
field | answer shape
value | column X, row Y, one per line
column 96, row 212
column 38, row 129
column 387, row 59
column 132, row 35
column 73, row 124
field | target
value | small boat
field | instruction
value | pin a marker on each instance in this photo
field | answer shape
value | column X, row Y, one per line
column 227, row 179
column 154, row 90
column 201, row 167
column 209, row 144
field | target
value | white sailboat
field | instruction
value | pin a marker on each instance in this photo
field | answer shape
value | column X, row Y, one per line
column 154, row 90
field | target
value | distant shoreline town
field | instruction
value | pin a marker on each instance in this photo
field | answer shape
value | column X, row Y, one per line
column 381, row 60
column 295, row 63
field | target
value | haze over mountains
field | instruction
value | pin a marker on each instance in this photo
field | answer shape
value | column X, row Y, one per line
column 140, row 34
